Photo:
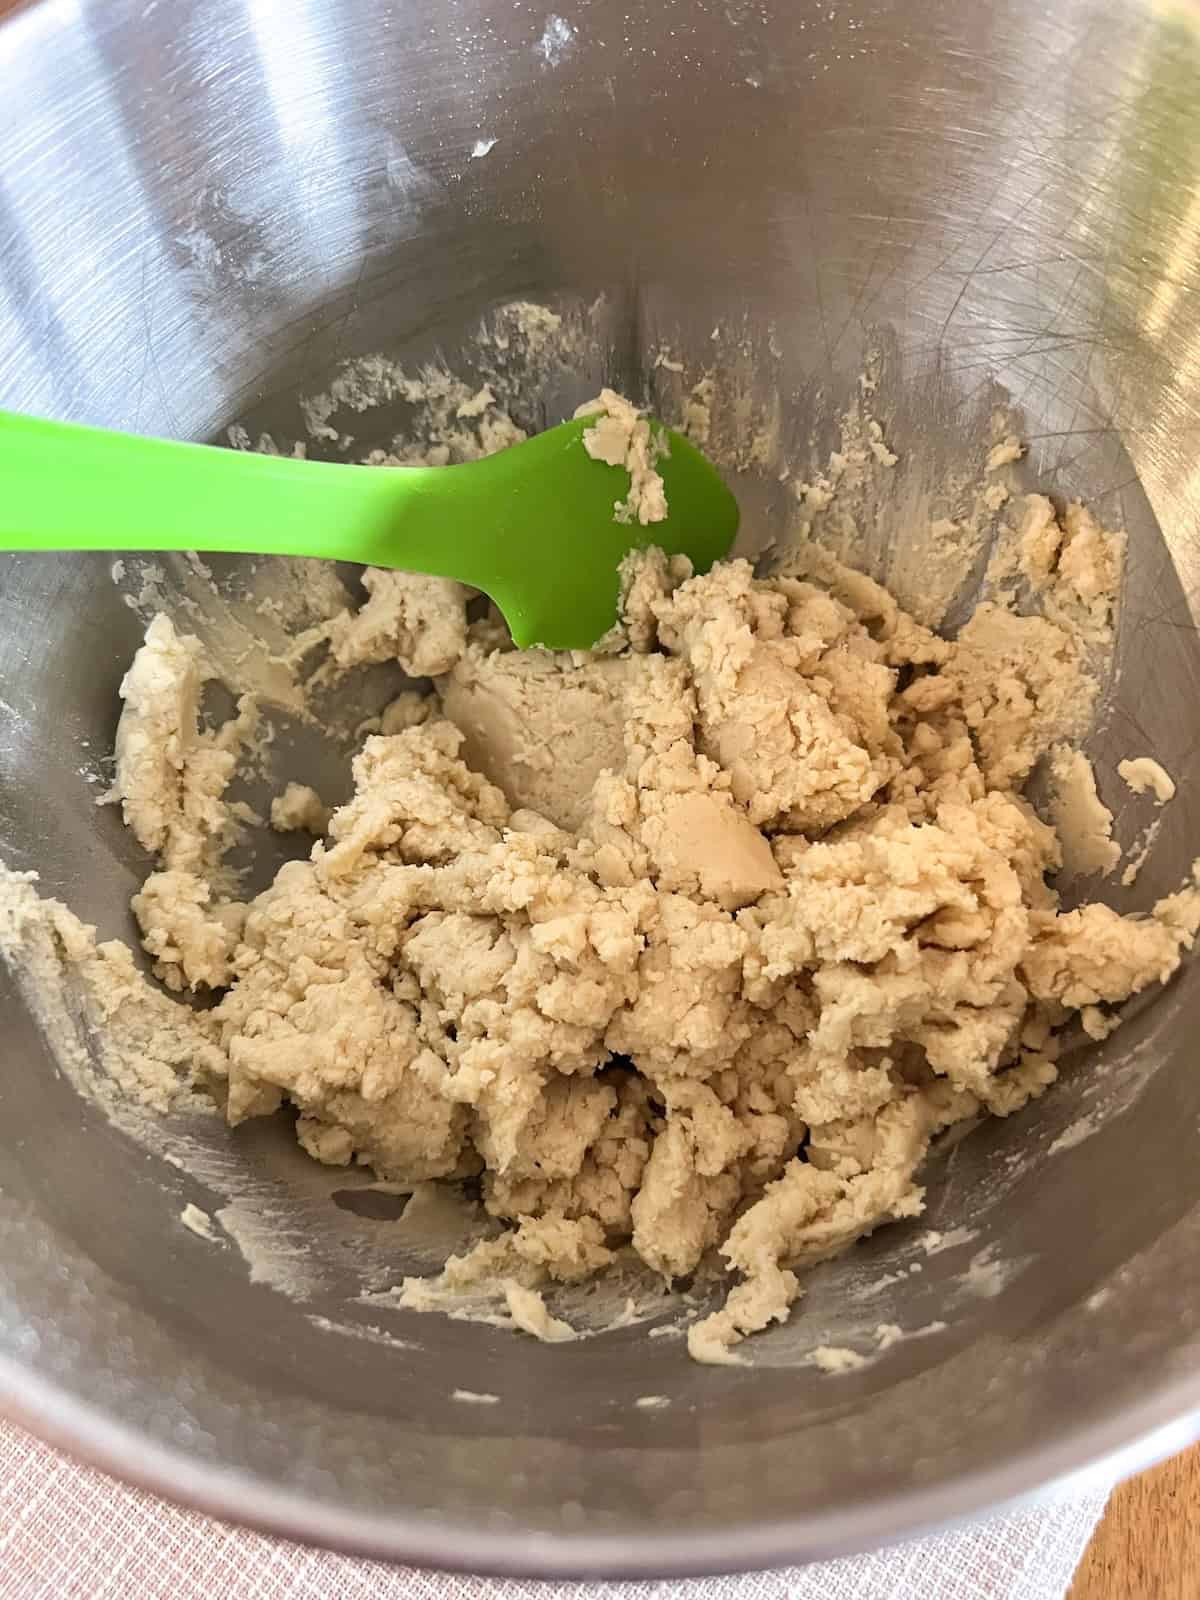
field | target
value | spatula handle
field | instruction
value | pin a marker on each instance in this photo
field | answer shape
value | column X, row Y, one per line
column 67, row 487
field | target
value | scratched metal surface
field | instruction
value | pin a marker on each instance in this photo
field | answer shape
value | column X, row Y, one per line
column 203, row 209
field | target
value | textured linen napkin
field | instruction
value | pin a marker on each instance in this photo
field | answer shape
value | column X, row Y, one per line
column 69, row 1533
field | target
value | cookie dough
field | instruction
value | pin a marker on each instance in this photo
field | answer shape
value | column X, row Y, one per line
column 1144, row 775
column 299, row 809
column 623, row 437
column 692, row 947
column 1083, row 821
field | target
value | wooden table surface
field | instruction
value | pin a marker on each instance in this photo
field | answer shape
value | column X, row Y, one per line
column 1148, row 1545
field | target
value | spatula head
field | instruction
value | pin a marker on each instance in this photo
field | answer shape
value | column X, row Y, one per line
column 561, row 547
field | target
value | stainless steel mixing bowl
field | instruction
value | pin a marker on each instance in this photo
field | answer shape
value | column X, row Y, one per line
column 204, row 208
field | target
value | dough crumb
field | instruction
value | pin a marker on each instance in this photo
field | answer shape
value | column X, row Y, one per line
column 933, row 1242
column 529, row 1313
column 1004, row 453
column 1083, row 821
column 622, row 437
column 836, row 1359
column 1139, row 851
column 1144, row 775
column 199, row 1222
column 1098, row 1023
column 299, row 809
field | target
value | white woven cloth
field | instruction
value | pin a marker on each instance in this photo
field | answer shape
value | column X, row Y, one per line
column 68, row 1533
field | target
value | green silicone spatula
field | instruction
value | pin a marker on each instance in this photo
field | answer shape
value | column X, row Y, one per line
column 532, row 526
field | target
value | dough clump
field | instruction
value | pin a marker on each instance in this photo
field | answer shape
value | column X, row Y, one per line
column 622, row 437
column 690, row 948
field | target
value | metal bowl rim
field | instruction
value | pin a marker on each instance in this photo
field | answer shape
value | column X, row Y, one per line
column 1163, row 1422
